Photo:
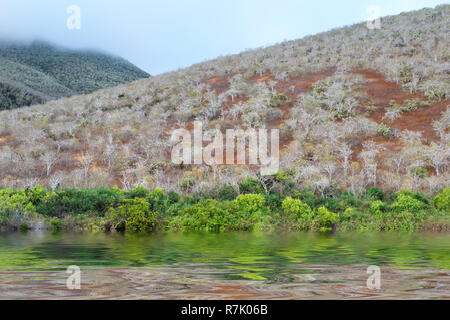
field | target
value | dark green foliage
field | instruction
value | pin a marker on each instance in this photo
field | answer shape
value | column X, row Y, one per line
column 138, row 192
column 11, row 97
column 76, row 201
column 39, row 71
column 223, row 193
column 250, row 185
column 24, row 227
column 142, row 210
column 375, row 193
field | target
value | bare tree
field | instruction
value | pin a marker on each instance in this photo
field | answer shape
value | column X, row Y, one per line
column 86, row 159
column 439, row 155
column 50, row 158
column 344, row 152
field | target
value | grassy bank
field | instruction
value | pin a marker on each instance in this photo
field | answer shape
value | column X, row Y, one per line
column 226, row 208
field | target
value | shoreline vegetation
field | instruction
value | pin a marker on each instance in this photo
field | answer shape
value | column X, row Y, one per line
column 247, row 207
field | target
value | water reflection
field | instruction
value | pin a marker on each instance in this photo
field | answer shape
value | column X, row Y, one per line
column 254, row 260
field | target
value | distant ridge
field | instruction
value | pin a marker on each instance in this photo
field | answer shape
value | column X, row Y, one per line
column 37, row 72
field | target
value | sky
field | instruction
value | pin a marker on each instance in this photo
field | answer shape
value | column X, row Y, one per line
column 164, row 35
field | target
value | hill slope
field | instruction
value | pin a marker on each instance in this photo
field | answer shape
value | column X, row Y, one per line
column 355, row 108
column 39, row 72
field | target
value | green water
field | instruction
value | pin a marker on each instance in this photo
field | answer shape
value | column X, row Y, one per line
column 235, row 256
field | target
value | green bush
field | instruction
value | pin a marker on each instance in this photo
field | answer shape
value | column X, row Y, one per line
column 400, row 221
column 219, row 210
column 207, row 215
column 157, row 200
column 386, row 132
column 134, row 215
column 295, row 208
column 437, row 93
column 223, row 193
column 442, row 201
column 12, row 200
column 56, row 224
column 378, row 207
column 325, row 220
column 187, row 184
column 24, row 227
column 299, row 215
column 76, row 201
column 247, row 210
column 277, row 100
column 250, row 185
column 407, row 202
column 138, row 192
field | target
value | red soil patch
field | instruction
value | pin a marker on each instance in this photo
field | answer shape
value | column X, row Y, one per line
column 4, row 140
column 381, row 92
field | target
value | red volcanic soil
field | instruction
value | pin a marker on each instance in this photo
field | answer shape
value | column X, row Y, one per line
column 381, row 92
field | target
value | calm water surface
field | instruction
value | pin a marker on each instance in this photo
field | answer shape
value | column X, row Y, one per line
column 225, row 266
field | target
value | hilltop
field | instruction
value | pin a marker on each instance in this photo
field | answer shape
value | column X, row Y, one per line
column 355, row 107
column 38, row 72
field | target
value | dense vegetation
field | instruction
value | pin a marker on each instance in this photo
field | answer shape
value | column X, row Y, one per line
column 42, row 70
column 336, row 131
column 247, row 208
column 13, row 97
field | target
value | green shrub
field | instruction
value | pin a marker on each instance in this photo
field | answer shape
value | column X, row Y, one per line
column 406, row 202
column 187, row 184
column 386, row 132
column 207, row 215
column 247, row 210
column 299, row 215
column 375, row 193
column 134, row 215
column 250, row 185
column 24, row 227
column 324, row 220
column 442, row 201
column 277, row 100
column 137, row 192
column 223, row 193
column 76, row 201
column 295, row 208
column 56, row 224
column 409, row 105
column 16, row 200
column 308, row 197
column 157, row 200
column 436, row 93
column 348, row 215
column 378, row 207
column 401, row 221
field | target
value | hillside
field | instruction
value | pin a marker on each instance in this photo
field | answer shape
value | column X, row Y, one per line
column 38, row 72
column 355, row 108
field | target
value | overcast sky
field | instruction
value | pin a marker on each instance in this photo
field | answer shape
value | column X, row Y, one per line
column 164, row 35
